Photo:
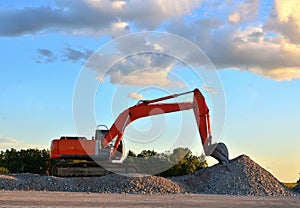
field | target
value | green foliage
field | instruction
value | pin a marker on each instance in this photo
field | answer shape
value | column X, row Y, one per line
column 131, row 154
column 179, row 162
column 4, row 170
column 186, row 163
column 26, row 161
column 147, row 153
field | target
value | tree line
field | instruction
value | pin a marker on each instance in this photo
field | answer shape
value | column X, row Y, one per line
column 179, row 162
column 25, row 161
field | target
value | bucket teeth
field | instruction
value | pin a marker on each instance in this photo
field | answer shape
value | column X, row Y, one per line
column 220, row 153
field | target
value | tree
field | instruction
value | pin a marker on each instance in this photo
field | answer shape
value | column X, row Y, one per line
column 26, row 161
column 131, row 154
column 147, row 153
column 184, row 163
column 179, row 162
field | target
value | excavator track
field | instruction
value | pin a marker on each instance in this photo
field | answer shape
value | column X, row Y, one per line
column 92, row 169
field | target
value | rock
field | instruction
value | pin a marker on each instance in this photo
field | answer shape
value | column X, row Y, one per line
column 297, row 188
column 113, row 183
column 241, row 176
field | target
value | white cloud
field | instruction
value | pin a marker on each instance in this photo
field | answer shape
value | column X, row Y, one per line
column 8, row 143
column 285, row 20
column 250, row 48
column 139, row 69
column 243, row 12
column 158, row 47
column 145, row 77
column 209, row 89
column 233, row 40
column 272, row 57
column 135, row 96
column 279, row 74
column 234, row 18
column 287, row 9
column 244, row 45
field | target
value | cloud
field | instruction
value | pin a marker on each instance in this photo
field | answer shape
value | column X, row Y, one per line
column 248, row 10
column 70, row 54
column 279, row 74
column 285, row 20
column 145, row 77
column 234, row 18
column 142, row 69
column 135, row 96
column 8, row 143
column 287, row 9
column 240, row 38
column 92, row 17
column 252, row 47
column 45, row 55
column 209, row 89
column 67, row 54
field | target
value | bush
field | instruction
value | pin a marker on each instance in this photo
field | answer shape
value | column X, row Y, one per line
column 26, row 161
column 4, row 170
column 179, row 162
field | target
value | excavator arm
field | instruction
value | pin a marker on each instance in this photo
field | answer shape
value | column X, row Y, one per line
column 151, row 107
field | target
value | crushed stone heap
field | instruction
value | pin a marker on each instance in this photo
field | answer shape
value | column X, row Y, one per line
column 297, row 188
column 241, row 176
column 111, row 183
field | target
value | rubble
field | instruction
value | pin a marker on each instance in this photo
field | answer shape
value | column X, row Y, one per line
column 112, row 183
column 297, row 188
column 241, row 176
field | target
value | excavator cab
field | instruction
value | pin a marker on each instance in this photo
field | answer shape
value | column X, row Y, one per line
column 107, row 152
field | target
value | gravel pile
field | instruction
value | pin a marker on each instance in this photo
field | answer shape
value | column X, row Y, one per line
column 297, row 188
column 241, row 176
column 111, row 183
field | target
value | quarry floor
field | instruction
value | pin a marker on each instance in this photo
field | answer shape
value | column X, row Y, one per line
column 85, row 199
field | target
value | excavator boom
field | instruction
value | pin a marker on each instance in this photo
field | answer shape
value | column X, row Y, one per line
column 150, row 107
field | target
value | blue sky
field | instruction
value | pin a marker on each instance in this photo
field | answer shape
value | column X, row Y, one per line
column 253, row 45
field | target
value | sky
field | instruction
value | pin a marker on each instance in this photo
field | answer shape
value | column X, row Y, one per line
column 67, row 66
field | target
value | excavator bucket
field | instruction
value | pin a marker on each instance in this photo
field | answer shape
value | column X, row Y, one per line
column 220, row 153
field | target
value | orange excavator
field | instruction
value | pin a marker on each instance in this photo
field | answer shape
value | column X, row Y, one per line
column 107, row 146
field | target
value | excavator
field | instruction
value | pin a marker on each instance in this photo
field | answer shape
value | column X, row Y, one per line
column 107, row 147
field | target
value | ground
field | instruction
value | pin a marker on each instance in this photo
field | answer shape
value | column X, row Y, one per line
column 85, row 199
